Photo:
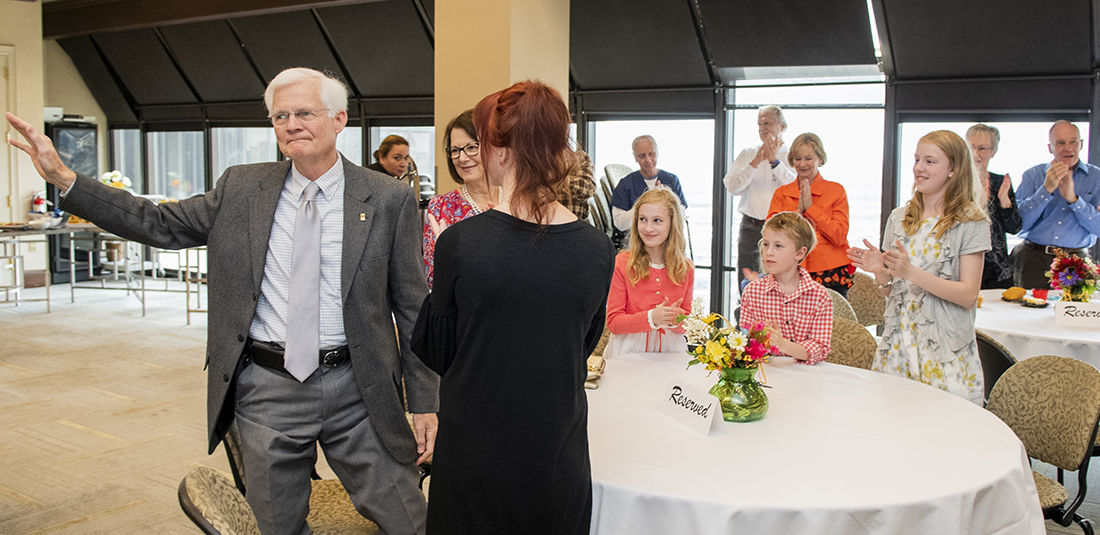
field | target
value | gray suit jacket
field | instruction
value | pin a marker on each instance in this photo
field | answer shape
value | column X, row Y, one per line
column 382, row 273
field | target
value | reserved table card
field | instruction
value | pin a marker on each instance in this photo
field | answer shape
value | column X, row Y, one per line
column 1071, row 314
column 691, row 406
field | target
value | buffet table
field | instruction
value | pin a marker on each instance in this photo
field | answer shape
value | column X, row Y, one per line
column 1028, row 332
column 841, row 450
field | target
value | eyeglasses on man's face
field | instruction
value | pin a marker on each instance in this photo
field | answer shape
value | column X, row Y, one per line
column 471, row 150
column 305, row 116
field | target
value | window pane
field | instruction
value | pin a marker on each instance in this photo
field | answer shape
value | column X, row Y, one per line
column 176, row 164
column 350, row 144
column 852, row 139
column 1022, row 146
column 126, row 148
column 685, row 149
column 421, row 145
column 237, row 146
column 810, row 94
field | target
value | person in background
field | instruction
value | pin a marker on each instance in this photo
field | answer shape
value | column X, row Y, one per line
column 755, row 175
column 931, row 271
column 473, row 195
column 825, row 204
column 518, row 306
column 392, row 156
column 1000, row 206
column 1059, row 208
column 796, row 310
column 580, row 186
column 653, row 281
column 298, row 356
column 635, row 184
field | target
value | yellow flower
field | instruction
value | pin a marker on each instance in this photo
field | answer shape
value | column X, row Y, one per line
column 715, row 350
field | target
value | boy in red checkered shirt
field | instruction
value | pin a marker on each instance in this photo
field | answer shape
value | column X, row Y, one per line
column 796, row 310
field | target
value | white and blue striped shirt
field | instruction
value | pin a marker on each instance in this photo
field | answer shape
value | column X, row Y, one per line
column 269, row 323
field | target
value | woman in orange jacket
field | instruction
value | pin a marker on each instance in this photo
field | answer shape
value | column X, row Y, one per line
column 825, row 204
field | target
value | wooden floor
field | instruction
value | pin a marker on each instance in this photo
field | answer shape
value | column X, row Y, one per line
column 103, row 411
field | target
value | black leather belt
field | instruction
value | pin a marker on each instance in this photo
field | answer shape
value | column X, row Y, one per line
column 270, row 355
column 1049, row 249
column 754, row 221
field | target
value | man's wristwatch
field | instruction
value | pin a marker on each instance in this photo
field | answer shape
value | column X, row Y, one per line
column 774, row 164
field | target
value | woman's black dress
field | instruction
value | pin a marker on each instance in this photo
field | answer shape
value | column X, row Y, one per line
column 512, row 318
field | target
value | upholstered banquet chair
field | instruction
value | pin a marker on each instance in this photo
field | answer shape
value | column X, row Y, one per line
column 330, row 509
column 841, row 307
column 615, row 172
column 211, row 501
column 852, row 344
column 867, row 301
column 996, row 359
column 1053, row 405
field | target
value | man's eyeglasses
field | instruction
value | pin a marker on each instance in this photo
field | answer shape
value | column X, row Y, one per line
column 470, row 149
column 305, row 116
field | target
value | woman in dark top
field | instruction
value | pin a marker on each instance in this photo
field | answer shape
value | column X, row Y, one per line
column 518, row 304
column 392, row 156
column 1000, row 204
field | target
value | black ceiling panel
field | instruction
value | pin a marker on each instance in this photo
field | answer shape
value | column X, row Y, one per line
column 212, row 59
column 768, row 33
column 284, row 40
column 365, row 35
column 143, row 65
column 634, row 44
column 976, row 38
column 98, row 79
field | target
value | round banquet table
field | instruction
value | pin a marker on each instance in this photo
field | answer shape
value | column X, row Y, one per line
column 841, row 450
column 1028, row 332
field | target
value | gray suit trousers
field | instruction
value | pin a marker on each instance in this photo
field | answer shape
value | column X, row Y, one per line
column 281, row 421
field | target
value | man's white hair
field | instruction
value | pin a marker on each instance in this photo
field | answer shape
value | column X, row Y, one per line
column 634, row 144
column 776, row 112
column 334, row 94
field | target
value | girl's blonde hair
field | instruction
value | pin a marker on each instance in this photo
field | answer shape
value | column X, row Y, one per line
column 961, row 199
column 676, row 264
column 796, row 227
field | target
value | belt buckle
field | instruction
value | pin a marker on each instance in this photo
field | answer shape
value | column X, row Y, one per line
column 1050, row 250
column 330, row 357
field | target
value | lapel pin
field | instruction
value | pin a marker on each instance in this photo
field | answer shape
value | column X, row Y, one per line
column 362, row 217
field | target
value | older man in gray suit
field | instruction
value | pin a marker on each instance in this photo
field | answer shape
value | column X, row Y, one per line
column 317, row 256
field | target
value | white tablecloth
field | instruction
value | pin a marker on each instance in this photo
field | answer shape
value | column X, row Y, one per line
column 1029, row 332
column 840, row 451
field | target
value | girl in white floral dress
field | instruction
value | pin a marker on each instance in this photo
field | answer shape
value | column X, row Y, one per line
column 931, row 271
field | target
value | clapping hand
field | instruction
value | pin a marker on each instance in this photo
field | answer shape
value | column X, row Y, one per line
column 805, row 198
column 1055, row 174
column 437, row 226
column 1065, row 187
column 1002, row 193
column 869, row 259
column 664, row 314
column 753, row 276
column 897, row 261
column 770, row 148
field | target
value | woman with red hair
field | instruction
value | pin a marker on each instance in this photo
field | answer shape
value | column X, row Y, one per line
column 519, row 303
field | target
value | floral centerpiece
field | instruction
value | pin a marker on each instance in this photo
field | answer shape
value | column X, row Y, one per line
column 116, row 180
column 737, row 354
column 1075, row 276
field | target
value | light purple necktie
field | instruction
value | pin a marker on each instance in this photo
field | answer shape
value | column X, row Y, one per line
column 303, row 317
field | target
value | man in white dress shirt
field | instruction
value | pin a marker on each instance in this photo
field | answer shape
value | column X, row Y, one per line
column 755, row 175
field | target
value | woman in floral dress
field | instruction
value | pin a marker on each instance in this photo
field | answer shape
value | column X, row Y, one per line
column 931, row 271
column 472, row 197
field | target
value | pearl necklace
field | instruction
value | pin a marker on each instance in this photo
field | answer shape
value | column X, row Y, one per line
column 469, row 198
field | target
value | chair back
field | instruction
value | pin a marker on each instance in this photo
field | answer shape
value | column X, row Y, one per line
column 841, row 307
column 615, row 172
column 852, row 344
column 212, row 503
column 1053, row 405
column 867, row 301
column 232, row 444
column 996, row 360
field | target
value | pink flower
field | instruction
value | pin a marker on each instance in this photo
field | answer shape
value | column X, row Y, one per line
column 756, row 350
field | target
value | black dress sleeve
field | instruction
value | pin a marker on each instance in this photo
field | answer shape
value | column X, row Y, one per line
column 435, row 339
column 599, row 321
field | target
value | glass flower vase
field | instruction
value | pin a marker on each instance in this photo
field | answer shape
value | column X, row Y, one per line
column 741, row 397
column 1078, row 295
